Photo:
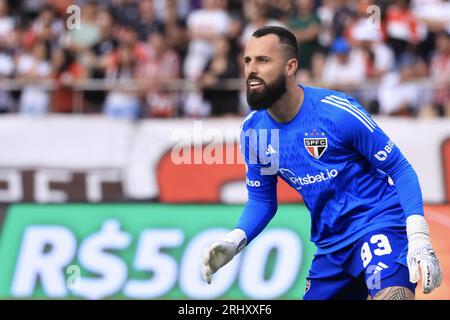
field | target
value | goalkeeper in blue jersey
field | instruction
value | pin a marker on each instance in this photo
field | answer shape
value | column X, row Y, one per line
column 367, row 217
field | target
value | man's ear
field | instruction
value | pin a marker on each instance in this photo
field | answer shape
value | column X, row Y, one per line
column 291, row 67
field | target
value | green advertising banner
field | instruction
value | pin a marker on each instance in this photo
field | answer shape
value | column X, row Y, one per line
column 147, row 251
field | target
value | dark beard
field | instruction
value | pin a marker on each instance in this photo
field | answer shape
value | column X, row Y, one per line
column 268, row 96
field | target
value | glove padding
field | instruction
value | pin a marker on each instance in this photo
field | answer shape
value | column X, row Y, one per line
column 421, row 254
column 221, row 252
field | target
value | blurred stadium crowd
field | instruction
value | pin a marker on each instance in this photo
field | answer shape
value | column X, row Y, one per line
column 165, row 58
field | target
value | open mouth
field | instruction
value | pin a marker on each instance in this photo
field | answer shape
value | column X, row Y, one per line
column 254, row 84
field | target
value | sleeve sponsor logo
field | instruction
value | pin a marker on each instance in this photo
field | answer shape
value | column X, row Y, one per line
column 383, row 154
column 253, row 183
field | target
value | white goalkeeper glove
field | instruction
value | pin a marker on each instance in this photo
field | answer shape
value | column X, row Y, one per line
column 221, row 252
column 421, row 253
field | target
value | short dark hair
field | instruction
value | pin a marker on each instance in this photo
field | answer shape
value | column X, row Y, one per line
column 286, row 38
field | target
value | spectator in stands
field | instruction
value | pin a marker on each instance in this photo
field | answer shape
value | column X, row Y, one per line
column 146, row 22
column 59, row 6
column 402, row 28
column 433, row 17
column 6, row 21
column 96, row 60
column 203, row 26
column 379, row 58
column 66, row 71
column 343, row 16
column 223, row 65
column 440, row 73
column 6, row 71
column 34, row 67
column 191, row 26
column 128, row 37
column 176, row 30
column 236, row 24
column 400, row 93
column 48, row 27
column 107, row 41
column 305, row 25
column 326, row 12
column 123, row 102
column 435, row 14
column 82, row 38
column 282, row 10
column 161, row 68
column 181, row 8
column 344, row 69
column 29, row 9
column 257, row 14
column 7, row 44
column 125, row 12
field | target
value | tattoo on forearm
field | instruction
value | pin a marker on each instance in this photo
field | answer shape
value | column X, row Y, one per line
column 394, row 293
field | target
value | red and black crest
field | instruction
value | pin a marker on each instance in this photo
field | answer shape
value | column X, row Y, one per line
column 316, row 146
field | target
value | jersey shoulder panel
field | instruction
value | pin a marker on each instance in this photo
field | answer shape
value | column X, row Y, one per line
column 317, row 94
column 342, row 109
column 253, row 120
column 322, row 108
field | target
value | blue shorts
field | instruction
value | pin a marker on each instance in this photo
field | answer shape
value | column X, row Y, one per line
column 374, row 262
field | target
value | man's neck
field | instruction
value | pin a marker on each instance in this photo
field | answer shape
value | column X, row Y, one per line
column 287, row 107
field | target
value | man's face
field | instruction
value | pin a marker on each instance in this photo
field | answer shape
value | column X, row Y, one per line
column 342, row 58
column 264, row 63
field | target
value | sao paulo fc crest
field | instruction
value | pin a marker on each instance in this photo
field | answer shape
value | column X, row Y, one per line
column 315, row 144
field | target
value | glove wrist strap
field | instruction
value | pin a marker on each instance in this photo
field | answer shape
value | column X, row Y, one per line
column 239, row 238
column 416, row 226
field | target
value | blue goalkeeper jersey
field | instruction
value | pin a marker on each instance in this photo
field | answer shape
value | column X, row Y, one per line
column 352, row 177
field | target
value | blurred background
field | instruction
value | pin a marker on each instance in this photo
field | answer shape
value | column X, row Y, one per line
column 119, row 126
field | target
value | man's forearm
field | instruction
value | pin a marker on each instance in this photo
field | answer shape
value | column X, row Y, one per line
column 255, row 217
column 408, row 188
